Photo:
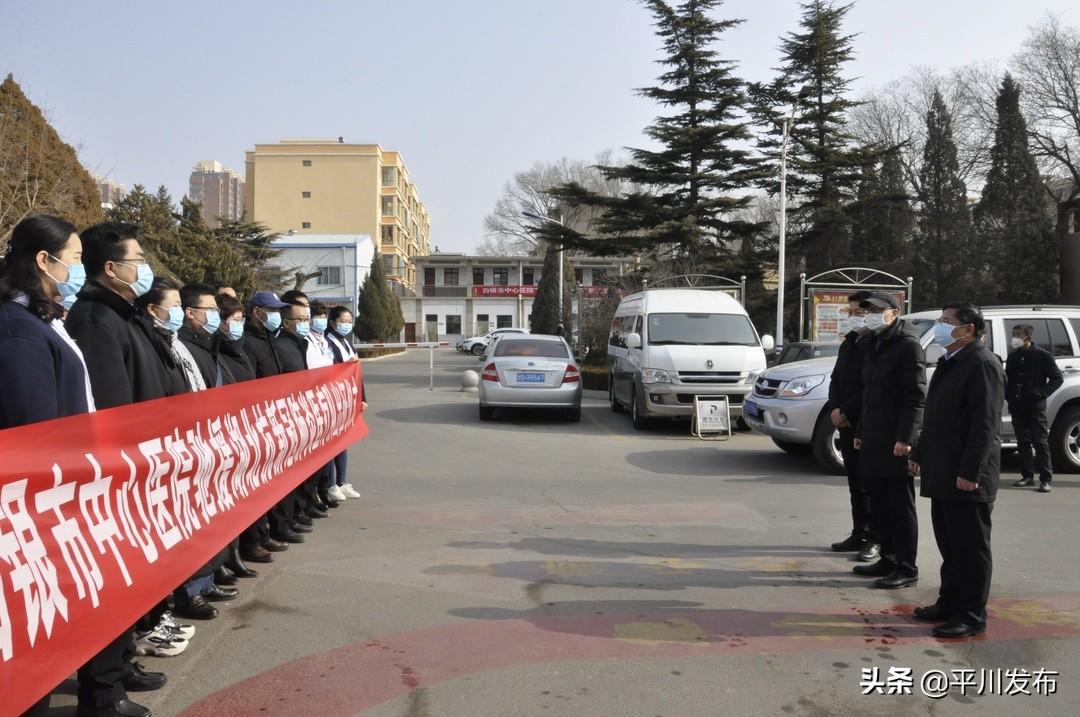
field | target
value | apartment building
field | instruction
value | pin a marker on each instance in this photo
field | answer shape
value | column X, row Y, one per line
column 462, row 295
column 111, row 191
column 219, row 190
column 330, row 187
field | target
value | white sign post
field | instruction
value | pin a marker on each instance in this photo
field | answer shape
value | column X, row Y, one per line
column 712, row 418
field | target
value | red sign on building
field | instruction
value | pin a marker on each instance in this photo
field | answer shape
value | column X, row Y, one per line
column 503, row 291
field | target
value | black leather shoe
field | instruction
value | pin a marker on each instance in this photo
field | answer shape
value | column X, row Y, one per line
column 223, row 576
column 123, row 708
column 220, row 594
column 196, row 609
column 274, row 546
column 1044, row 487
column 896, row 581
column 848, row 545
column 881, row 568
column 1024, row 482
column 329, row 502
column 320, row 504
column 303, row 519
column 236, row 566
column 288, row 537
column 958, row 628
column 314, row 512
column 256, row 554
column 930, row 613
column 139, row 680
column 870, row 553
column 298, row 528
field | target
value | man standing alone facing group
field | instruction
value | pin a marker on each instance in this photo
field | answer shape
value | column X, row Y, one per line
column 1033, row 375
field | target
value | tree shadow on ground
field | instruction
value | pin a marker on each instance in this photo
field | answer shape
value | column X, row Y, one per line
column 762, row 466
column 612, row 549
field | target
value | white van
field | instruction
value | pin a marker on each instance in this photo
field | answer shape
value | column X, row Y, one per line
column 669, row 345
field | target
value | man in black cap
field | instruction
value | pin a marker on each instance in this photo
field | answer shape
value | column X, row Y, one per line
column 894, row 388
column 1033, row 375
column 845, row 406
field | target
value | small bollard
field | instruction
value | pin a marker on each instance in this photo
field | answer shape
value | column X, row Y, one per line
column 470, row 381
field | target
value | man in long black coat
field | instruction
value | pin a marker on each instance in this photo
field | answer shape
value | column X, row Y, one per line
column 1031, row 375
column 959, row 458
column 894, row 383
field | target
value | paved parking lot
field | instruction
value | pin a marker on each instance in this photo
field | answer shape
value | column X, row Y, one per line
column 530, row 566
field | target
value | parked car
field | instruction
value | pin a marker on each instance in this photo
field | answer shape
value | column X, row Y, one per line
column 475, row 345
column 804, row 351
column 530, row 371
column 668, row 346
column 788, row 401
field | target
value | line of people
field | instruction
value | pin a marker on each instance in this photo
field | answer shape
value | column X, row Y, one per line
column 85, row 325
column 893, row 428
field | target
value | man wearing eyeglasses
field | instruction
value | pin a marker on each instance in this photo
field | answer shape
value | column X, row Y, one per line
column 959, row 458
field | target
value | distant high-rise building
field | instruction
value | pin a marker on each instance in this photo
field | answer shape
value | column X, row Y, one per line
column 111, row 191
column 219, row 190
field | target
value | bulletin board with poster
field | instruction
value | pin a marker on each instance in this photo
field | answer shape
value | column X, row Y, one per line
column 829, row 312
column 823, row 305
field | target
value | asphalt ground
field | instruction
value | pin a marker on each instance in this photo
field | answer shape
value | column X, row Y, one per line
column 535, row 567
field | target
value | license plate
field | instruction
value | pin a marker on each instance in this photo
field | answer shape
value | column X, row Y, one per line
column 751, row 409
column 530, row 378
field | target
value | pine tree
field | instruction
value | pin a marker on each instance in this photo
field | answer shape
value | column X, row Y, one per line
column 544, row 318
column 692, row 182
column 39, row 172
column 1012, row 219
column 378, row 314
column 882, row 219
column 825, row 163
column 254, row 243
column 945, row 263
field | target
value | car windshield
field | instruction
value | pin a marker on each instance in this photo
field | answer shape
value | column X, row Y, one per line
column 701, row 330
column 921, row 326
column 533, row 347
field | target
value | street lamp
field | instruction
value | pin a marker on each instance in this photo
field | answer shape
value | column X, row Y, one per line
column 536, row 217
column 788, row 122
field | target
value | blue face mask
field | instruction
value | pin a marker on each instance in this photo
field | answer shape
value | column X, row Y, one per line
column 943, row 334
column 69, row 301
column 273, row 321
column 213, row 321
column 344, row 329
column 319, row 324
column 236, row 330
column 175, row 320
column 76, row 278
column 144, row 278
column 303, row 328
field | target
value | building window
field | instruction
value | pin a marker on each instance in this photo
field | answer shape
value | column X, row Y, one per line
column 598, row 276
column 305, row 225
column 429, row 276
column 307, row 162
column 305, row 195
column 388, row 234
column 504, row 321
column 389, row 265
column 483, row 324
column 500, row 276
column 388, row 206
column 453, row 324
column 450, row 278
column 478, row 276
column 527, row 277
column 329, row 275
column 389, row 176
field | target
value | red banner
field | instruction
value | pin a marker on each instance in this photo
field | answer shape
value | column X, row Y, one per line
column 526, row 291
column 103, row 515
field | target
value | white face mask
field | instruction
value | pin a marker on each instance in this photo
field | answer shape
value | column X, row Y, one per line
column 1016, row 342
column 875, row 322
column 856, row 323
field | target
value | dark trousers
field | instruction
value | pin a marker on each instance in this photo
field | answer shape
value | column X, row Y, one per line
column 254, row 533
column 861, row 522
column 280, row 517
column 101, row 680
column 1032, row 436
column 962, row 531
column 892, row 499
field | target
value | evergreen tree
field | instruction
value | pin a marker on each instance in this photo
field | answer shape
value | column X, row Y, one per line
column 39, row 172
column 254, row 243
column 689, row 197
column 1012, row 219
column 945, row 263
column 825, row 163
column 544, row 318
column 882, row 219
column 378, row 314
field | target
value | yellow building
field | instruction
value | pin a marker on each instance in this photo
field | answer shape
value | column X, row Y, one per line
column 329, row 187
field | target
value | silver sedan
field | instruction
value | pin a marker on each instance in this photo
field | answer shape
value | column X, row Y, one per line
column 530, row 371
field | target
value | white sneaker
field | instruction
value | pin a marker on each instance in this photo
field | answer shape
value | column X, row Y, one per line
column 348, row 492
column 336, row 493
column 159, row 642
column 178, row 629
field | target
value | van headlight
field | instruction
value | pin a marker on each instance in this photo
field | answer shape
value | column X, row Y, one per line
column 800, row 387
column 752, row 377
column 655, row 375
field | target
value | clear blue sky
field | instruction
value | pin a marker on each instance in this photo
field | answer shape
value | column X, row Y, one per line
column 470, row 91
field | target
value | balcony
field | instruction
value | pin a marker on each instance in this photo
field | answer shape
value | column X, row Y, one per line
column 501, row 290
column 446, row 292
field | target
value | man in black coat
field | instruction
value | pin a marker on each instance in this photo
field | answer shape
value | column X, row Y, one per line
column 201, row 322
column 959, row 458
column 845, row 406
column 1032, row 375
column 894, row 383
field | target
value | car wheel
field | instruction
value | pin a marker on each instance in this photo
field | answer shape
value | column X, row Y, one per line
column 742, row 425
column 477, row 349
column 616, row 407
column 574, row 414
column 795, row 449
column 825, row 446
column 1065, row 440
column 640, row 422
column 486, row 412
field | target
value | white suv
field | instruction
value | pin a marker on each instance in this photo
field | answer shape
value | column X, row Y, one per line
column 788, row 402
column 476, row 345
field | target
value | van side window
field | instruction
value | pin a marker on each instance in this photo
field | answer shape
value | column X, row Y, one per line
column 1076, row 322
column 618, row 334
column 1059, row 338
column 639, row 326
column 1041, row 336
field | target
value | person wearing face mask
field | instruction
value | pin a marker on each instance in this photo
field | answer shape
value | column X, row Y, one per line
column 319, row 352
column 160, row 317
column 201, row 323
column 229, row 339
column 1033, row 375
column 845, row 405
column 339, row 337
column 958, row 456
column 894, row 393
